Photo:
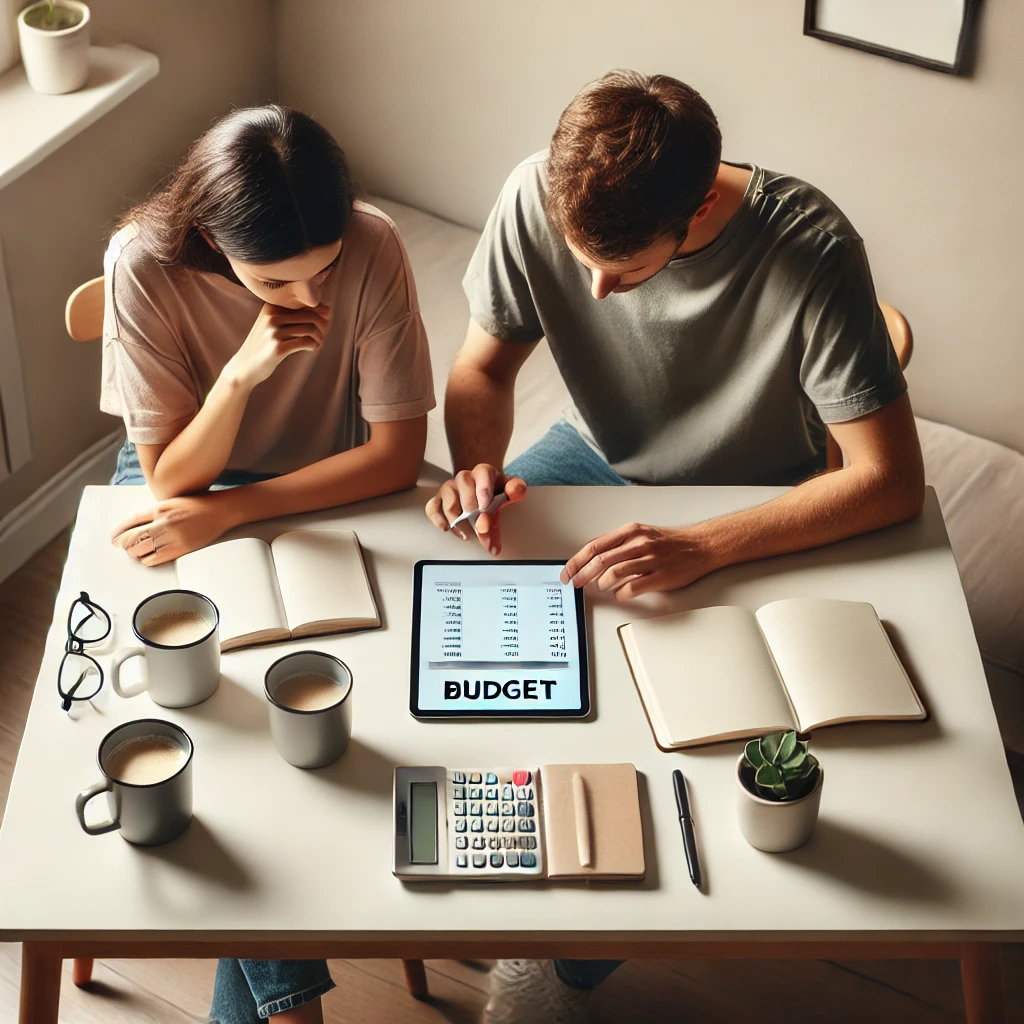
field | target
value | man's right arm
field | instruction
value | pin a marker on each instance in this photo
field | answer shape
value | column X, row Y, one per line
column 478, row 415
column 478, row 407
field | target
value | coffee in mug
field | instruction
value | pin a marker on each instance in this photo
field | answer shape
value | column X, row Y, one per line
column 309, row 691
column 310, row 698
column 178, row 627
column 145, row 760
column 180, row 636
column 147, row 776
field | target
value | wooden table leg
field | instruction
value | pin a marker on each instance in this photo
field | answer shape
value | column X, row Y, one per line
column 81, row 972
column 416, row 978
column 40, row 982
column 981, row 973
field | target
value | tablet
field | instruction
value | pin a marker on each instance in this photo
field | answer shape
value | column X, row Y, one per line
column 497, row 640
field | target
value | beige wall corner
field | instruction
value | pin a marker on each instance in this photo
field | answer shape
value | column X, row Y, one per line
column 436, row 103
column 55, row 219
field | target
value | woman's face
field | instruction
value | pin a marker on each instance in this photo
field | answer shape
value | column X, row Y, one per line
column 292, row 283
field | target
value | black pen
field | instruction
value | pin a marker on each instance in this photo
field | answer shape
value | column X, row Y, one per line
column 686, row 824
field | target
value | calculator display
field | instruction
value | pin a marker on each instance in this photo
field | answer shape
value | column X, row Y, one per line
column 497, row 638
column 423, row 824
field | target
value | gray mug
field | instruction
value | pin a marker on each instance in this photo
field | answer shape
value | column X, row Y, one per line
column 314, row 738
column 147, row 813
column 181, row 675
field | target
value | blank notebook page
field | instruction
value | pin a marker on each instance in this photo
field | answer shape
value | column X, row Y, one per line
column 711, row 672
column 837, row 661
column 322, row 577
column 238, row 576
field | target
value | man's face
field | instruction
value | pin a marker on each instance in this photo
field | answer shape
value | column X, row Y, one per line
column 625, row 275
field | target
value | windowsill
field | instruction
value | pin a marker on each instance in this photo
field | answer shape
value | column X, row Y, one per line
column 35, row 125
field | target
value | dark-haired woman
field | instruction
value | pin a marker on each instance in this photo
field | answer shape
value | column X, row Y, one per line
column 261, row 330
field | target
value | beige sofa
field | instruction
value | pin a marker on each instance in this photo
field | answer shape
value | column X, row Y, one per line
column 980, row 484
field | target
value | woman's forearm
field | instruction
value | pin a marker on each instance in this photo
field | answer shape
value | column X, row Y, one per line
column 200, row 453
column 389, row 461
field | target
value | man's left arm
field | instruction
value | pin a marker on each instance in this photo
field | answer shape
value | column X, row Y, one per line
column 882, row 484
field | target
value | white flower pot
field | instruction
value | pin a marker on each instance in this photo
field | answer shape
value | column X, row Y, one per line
column 55, row 61
column 777, row 825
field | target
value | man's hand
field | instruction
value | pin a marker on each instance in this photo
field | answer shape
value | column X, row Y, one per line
column 172, row 528
column 469, row 490
column 636, row 559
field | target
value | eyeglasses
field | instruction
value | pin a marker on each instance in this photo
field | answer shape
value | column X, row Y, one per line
column 80, row 676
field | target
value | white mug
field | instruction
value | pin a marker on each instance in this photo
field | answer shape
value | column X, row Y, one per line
column 145, row 813
column 310, row 739
column 176, row 676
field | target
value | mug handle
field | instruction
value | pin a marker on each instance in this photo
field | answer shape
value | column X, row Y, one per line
column 115, row 671
column 84, row 797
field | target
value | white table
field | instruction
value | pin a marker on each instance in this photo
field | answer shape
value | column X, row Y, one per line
column 919, row 850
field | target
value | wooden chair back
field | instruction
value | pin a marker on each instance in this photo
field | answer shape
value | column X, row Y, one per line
column 83, row 313
column 903, row 343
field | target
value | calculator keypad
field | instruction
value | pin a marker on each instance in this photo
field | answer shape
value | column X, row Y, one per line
column 501, row 809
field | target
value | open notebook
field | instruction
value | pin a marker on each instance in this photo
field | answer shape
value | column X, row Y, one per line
column 304, row 583
column 726, row 673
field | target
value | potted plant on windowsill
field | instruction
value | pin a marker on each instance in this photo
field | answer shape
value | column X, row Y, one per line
column 779, row 786
column 54, row 37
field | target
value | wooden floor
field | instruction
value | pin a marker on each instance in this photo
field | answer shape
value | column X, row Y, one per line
column 709, row 992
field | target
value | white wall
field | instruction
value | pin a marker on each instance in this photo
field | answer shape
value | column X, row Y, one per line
column 55, row 219
column 436, row 102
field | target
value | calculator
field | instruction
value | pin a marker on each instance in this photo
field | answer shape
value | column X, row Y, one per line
column 474, row 824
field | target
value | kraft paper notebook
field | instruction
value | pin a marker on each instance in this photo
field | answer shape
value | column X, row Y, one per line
column 727, row 673
column 592, row 826
column 304, row 583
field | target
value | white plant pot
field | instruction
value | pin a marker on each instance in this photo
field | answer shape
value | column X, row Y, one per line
column 777, row 825
column 56, row 62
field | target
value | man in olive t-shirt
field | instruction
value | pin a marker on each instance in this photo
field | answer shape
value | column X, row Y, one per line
column 708, row 318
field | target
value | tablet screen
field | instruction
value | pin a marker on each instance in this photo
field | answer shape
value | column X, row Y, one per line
column 502, row 639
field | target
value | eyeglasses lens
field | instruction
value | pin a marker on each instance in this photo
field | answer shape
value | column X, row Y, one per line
column 80, row 677
column 88, row 623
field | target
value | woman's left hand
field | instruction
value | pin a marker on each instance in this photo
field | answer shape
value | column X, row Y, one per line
column 171, row 528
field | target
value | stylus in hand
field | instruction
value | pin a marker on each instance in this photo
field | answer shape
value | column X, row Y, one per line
column 473, row 514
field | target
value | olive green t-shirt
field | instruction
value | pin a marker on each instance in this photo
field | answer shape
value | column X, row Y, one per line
column 723, row 367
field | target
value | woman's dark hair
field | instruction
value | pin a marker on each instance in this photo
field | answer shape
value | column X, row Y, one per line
column 266, row 183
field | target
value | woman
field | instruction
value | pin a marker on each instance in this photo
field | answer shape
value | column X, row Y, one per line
column 261, row 328
column 262, row 341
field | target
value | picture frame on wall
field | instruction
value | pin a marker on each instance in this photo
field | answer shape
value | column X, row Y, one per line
column 933, row 34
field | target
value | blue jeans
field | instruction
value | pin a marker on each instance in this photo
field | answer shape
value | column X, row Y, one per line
column 561, row 456
column 130, row 472
column 248, row 991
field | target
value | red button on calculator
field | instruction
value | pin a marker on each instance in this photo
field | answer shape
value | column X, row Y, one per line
column 520, row 777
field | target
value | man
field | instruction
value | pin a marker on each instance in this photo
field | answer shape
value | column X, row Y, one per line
column 709, row 319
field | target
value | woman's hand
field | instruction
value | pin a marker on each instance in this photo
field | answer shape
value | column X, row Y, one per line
column 277, row 333
column 172, row 528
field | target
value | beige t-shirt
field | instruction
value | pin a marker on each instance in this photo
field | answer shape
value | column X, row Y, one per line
column 169, row 331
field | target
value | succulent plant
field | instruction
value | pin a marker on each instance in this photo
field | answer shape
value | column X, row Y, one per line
column 778, row 767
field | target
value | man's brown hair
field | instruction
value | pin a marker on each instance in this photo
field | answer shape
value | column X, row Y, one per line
column 631, row 161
